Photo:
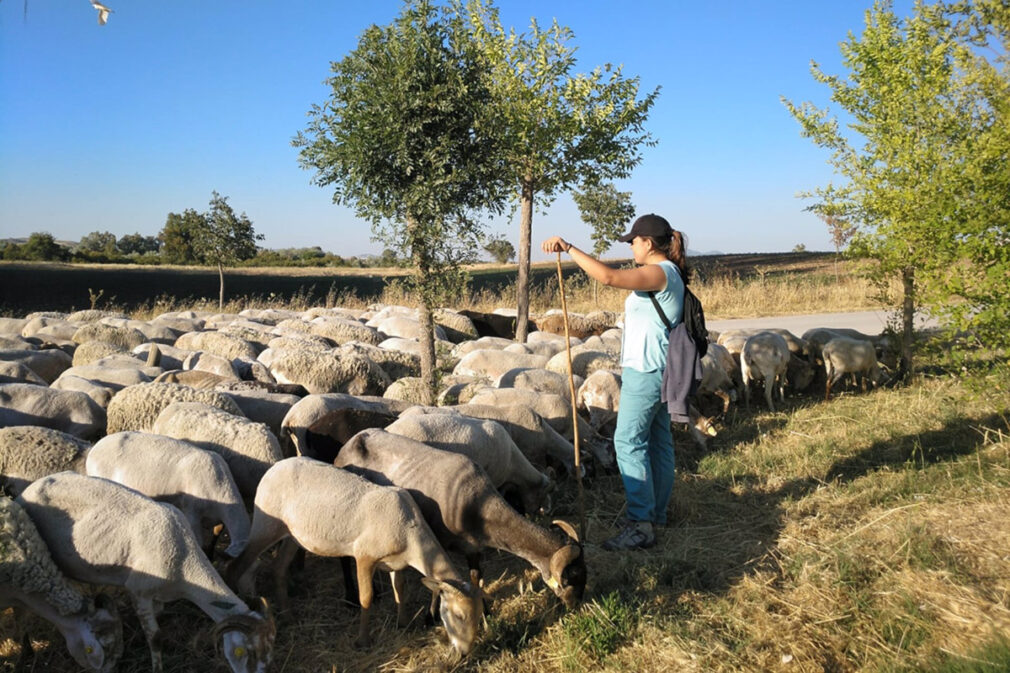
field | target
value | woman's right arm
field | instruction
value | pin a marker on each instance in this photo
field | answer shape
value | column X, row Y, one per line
column 643, row 278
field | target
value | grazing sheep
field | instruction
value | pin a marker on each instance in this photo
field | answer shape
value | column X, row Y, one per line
column 332, row 372
column 48, row 363
column 15, row 372
column 67, row 410
column 345, row 415
column 797, row 346
column 197, row 482
column 260, row 404
column 194, row 378
column 103, row 533
column 29, row 579
column 115, row 373
column 410, row 389
column 843, row 355
column 463, row 508
column 167, row 357
column 248, row 447
column 90, row 351
column 765, row 356
column 29, row 452
column 600, row 396
column 541, row 381
column 396, row 364
column 342, row 330
column 225, row 345
column 486, row 443
column 138, row 406
column 209, row 362
column 458, row 327
column 12, row 326
column 585, row 361
column 557, row 411
column 493, row 364
column 579, row 326
column 403, row 326
column 100, row 393
column 332, row 512
column 126, row 338
column 715, row 380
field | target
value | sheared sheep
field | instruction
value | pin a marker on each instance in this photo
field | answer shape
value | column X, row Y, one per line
column 260, row 404
column 493, row 364
column 843, row 355
column 248, row 447
column 557, row 411
column 541, row 381
column 342, row 330
column 486, row 443
column 463, row 508
column 343, row 415
column 101, row 532
column 224, row 345
column 126, row 338
column 332, row 512
column 584, row 362
column 48, row 363
column 29, row 452
column 765, row 356
column 66, row 410
column 197, row 482
column 29, row 579
column 15, row 372
column 600, row 397
column 138, row 406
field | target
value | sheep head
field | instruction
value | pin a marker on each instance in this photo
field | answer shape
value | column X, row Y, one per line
column 248, row 639
column 568, row 568
column 461, row 609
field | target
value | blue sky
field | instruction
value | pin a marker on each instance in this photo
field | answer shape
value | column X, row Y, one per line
column 110, row 128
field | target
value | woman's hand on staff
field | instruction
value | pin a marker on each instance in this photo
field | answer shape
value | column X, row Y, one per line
column 556, row 244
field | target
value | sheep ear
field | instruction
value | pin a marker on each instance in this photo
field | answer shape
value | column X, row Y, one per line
column 433, row 585
column 265, row 609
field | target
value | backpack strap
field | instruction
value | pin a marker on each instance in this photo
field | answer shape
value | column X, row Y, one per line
column 659, row 310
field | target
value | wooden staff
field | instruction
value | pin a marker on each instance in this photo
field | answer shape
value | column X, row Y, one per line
column 575, row 416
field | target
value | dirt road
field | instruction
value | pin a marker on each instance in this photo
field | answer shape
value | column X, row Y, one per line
column 869, row 322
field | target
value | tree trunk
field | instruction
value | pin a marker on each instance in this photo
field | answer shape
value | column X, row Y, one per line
column 523, row 279
column 427, row 341
column 907, row 367
column 220, row 297
column 427, row 336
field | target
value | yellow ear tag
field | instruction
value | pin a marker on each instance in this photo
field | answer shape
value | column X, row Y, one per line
column 89, row 649
column 552, row 583
column 239, row 651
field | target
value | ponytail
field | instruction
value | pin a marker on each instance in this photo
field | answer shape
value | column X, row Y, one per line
column 676, row 251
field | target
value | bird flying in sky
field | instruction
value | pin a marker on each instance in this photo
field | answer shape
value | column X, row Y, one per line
column 103, row 12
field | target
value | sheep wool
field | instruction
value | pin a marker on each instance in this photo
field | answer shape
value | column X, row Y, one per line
column 25, row 561
column 138, row 406
column 28, row 452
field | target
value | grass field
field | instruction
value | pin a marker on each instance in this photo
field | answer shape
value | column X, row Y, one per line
column 870, row 533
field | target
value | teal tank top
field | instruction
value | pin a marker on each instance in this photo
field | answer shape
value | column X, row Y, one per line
column 643, row 347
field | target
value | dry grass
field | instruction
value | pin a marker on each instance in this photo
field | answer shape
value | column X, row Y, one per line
column 868, row 533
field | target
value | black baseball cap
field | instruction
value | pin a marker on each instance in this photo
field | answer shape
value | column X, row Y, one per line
column 648, row 225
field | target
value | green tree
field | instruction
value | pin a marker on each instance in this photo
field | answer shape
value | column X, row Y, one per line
column 225, row 238
column 607, row 211
column 177, row 237
column 559, row 128
column 923, row 165
column 406, row 138
column 500, row 249
column 138, row 244
column 42, row 247
column 99, row 241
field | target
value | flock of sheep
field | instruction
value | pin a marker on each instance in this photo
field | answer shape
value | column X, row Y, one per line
column 129, row 447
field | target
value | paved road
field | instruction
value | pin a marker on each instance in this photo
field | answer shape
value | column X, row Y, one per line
column 869, row 322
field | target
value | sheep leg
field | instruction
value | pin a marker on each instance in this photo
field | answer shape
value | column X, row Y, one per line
column 769, row 387
column 724, row 396
column 399, row 581
column 366, row 567
column 286, row 553
column 350, row 586
column 266, row 531
column 145, row 612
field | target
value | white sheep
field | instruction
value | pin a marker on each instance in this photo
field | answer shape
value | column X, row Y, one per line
column 29, row 579
column 197, row 482
column 15, row 372
column 584, row 361
column 557, row 411
column 541, row 381
column 248, row 447
column 260, row 404
column 493, row 364
column 103, row 533
column 29, row 452
column 332, row 512
column 334, row 415
column 137, row 407
column 464, row 509
column 600, row 397
column 765, row 355
column 48, row 363
column 66, row 410
column 843, row 355
column 330, row 372
column 225, row 345
column 486, row 443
